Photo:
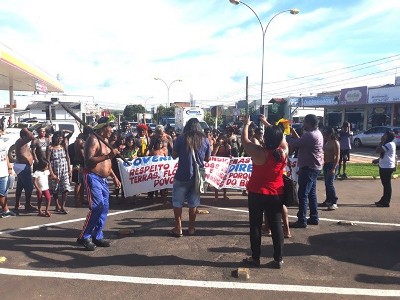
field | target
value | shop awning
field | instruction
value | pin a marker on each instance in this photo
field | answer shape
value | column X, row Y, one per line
column 25, row 76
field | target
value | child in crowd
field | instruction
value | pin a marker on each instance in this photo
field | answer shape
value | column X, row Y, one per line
column 41, row 183
column 160, row 149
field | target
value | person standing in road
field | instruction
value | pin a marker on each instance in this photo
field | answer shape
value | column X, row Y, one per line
column 192, row 140
column 345, row 147
column 97, row 170
column 22, row 168
column 60, row 170
column 310, row 160
column 387, row 165
column 2, row 120
column 5, row 172
column 265, row 190
column 331, row 161
column 39, row 146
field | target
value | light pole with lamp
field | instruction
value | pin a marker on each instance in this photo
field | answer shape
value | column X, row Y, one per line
column 168, row 87
column 145, row 101
column 294, row 11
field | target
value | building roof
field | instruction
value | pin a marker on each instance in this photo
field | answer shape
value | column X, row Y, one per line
column 25, row 76
column 44, row 105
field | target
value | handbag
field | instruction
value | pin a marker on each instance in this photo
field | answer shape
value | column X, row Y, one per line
column 200, row 176
column 290, row 197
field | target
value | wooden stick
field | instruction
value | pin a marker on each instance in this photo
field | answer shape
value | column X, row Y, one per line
column 101, row 139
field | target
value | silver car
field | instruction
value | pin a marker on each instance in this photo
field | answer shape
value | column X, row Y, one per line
column 372, row 137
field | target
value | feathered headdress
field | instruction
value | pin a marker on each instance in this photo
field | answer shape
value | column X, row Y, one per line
column 142, row 127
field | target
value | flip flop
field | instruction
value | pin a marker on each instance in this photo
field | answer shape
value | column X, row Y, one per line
column 64, row 211
column 191, row 231
column 174, row 234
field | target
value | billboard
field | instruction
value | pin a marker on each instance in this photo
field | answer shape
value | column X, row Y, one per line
column 318, row 101
column 384, row 95
column 354, row 96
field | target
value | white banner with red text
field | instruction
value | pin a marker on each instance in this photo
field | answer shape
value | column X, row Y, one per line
column 152, row 173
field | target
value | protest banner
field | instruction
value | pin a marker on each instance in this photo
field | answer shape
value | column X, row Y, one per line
column 152, row 173
column 147, row 174
column 238, row 173
column 216, row 170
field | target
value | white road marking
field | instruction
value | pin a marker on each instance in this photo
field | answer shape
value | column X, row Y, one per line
column 205, row 284
column 321, row 219
column 74, row 220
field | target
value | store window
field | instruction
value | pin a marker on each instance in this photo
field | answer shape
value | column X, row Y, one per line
column 355, row 116
column 379, row 115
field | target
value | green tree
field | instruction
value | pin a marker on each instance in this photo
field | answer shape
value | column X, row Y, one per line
column 210, row 120
column 131, row 111
column 163, row 111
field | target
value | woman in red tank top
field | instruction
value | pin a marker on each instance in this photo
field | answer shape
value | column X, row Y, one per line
column 265, row 190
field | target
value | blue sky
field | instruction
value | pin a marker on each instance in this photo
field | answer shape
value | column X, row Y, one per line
column 113, row 50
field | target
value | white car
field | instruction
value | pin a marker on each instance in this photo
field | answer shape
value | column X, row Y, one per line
column 11, row 137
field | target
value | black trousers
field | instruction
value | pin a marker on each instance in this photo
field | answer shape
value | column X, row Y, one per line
column 272, row 205
column 386, row 179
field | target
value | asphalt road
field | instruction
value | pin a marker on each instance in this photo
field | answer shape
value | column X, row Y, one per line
column 328, row 261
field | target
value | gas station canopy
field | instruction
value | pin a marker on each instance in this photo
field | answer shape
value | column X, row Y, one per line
column 16, row 74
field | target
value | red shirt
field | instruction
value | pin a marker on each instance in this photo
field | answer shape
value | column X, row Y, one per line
column 267, row 179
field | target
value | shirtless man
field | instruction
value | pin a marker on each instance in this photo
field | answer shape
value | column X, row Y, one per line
column 22, row 167
column 98, row 168
column 78, row 165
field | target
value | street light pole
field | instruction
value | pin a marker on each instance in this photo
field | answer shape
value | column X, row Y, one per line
column 294, row 11
column 168, row 87
column 145, row 100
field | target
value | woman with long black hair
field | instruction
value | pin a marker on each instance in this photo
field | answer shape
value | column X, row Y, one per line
column 387, row 165
column 265, row 190
column 192, row 140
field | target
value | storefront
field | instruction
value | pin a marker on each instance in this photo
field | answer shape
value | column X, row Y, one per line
column 363, row 108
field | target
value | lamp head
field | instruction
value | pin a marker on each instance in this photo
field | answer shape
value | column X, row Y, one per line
column 156, row 78
column 294, row 11
column 235, row 2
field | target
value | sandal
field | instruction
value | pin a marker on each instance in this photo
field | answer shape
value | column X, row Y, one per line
column 191, row 231
column 64, row 211
column 47, row 214
column 174, row 234
column 251, row 261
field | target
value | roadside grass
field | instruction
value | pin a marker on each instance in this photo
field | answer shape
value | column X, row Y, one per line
column 364, row 169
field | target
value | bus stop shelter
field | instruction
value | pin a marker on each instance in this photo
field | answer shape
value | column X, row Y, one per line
column 17, row 74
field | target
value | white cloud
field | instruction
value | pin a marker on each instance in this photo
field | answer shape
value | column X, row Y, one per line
column 113, row 50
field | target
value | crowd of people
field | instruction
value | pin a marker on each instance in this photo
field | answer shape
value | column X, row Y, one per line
column 50, row 164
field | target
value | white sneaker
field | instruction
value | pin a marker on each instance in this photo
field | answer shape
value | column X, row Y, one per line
column 332, row 207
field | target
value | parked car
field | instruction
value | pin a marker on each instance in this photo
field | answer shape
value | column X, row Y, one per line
column 372, row 136
column 11, row 137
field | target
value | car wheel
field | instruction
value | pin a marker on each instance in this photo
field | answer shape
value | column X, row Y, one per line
column 357, row 143
column 12, row 156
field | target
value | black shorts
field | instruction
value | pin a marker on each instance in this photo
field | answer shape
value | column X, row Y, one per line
column 344, row 155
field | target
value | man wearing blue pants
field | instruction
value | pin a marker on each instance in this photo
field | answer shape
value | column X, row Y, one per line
column 310, row 161
column 97, row 169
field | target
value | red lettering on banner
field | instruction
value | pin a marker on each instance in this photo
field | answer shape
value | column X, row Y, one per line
column 163, row 181
column 239, row 175
column 243, row 183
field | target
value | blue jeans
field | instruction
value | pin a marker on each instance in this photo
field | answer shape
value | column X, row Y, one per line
column 329, row 188
column 307, row 194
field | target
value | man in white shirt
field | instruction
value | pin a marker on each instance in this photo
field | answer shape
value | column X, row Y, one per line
column 5, row 171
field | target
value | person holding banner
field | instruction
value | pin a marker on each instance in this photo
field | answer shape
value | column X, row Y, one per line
column 191, row 144
column 98, row 167
column 265, row 191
